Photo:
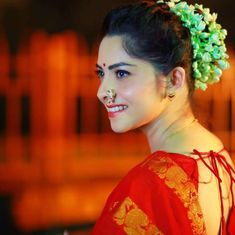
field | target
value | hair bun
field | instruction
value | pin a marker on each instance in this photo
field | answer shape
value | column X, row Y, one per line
column 207, row 36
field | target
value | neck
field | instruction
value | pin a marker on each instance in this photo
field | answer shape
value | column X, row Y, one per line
column 172, row 122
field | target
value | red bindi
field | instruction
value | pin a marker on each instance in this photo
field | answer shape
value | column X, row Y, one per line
column 104, row 64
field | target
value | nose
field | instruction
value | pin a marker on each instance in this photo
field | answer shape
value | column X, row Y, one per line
column 106, row 90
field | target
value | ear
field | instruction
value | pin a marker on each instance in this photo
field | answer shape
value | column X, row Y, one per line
column 177, row 77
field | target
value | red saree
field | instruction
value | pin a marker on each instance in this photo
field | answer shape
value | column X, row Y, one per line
column 160, row 196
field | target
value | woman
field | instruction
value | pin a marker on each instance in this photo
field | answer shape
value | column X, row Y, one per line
column 151, row 58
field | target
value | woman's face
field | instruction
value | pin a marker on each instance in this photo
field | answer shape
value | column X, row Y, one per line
column 137, row 87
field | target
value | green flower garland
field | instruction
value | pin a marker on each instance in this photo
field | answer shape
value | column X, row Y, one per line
column 207, row 36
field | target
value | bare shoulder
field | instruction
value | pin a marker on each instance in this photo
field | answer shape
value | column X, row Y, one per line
column 210, row 142
column 204, row 141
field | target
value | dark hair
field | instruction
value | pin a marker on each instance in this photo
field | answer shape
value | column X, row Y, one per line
column 153, row 33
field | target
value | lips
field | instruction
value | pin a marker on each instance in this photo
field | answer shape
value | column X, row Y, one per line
column 113, row 110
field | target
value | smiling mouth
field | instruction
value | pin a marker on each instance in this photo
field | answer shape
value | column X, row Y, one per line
column 114, row 109
column 117, row 108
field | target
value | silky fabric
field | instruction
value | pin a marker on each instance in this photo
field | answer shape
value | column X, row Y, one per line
column 160, row 196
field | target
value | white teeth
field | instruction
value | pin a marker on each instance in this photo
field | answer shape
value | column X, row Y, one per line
column 117, row 108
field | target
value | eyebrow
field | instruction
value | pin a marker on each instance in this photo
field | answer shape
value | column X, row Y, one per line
column 113, row 66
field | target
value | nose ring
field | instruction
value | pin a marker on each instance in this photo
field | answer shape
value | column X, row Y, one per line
column 111, row 95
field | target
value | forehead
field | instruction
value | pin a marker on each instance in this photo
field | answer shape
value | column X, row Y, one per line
column 111, row 51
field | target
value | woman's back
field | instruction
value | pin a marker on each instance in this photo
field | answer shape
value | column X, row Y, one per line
column 199, row 138
column 209, row 196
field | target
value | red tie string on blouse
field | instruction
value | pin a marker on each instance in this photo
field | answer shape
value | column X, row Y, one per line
column 216, row 158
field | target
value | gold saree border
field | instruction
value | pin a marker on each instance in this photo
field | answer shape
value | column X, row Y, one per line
column 134, row 220
column 176, row 179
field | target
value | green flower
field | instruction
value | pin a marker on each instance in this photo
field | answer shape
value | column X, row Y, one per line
column 197, row 73
column 204, row 79
column 204, row 35
column 223, row 64
column 209, row 48
column 200, row 85
column 206, row 57
column 214, row 38
column 207, row 37
column 206, row 68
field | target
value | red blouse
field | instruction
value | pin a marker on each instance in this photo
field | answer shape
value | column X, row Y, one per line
column 160, row 196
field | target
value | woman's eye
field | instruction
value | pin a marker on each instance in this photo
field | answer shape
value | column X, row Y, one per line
column 100, row 73
column 122, row 73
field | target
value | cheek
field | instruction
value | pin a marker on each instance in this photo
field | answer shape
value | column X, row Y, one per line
column 127, row 93
column 141, row 94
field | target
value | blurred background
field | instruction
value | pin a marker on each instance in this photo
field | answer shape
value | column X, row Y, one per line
column 59, row 159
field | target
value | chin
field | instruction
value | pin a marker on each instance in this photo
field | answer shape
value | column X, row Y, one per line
column 124, row 126
column 119, row 128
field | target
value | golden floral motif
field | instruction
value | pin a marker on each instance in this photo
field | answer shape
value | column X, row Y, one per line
column 134, row 220
column 177, row 179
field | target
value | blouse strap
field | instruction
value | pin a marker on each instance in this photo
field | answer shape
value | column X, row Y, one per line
column 217, row 157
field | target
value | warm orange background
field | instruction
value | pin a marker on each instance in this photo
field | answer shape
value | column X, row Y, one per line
column 59, row 174
column 58, row 158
